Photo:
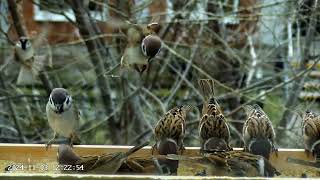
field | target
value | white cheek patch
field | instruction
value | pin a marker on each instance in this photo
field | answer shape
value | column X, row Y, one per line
column 143, row 48
column 66, row 104
column 261, row 166
column 51, row 105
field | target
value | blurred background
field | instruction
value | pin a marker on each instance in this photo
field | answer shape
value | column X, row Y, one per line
column 257, row 51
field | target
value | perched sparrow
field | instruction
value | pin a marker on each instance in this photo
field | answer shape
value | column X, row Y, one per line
column 258, row 133
column 63, row 116
column 31, row 64
column 104, row 164
column 143, row 45
column 212, row 124
column 172, row 127
column 311, row 133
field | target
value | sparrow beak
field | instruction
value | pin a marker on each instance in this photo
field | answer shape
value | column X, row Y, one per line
column 59, row 109
column 140, row 68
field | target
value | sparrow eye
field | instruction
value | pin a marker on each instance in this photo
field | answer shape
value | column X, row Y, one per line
column 68, row 100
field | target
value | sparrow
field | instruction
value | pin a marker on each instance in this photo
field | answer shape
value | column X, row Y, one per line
column 171, row 128
column 258, row 133
column 101, row 164
column 237, row 163
column 31, row 64
column 143, row 45
column 63, row 116
column 212, row 124
column 311, row 133
column 230, row 163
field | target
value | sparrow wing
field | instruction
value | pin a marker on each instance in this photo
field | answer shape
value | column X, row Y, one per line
column 214, row 126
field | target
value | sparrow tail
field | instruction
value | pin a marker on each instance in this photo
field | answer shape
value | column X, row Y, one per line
column 206, row 88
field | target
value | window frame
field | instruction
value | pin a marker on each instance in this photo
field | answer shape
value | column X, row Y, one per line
column 44, row 15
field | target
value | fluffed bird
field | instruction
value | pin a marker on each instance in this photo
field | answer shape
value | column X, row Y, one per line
column 311, row 133
column 143, row 45
column 168, row 146
column 172, row 127
column 63, row 116
column 100, row 164
column 31, row 63
column 213, row 124
column 258, row 133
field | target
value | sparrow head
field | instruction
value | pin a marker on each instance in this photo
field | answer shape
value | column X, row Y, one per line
column 167, row 146
column 151, row 46
column 154, row 27
column 24, row 43
column 308, row 115
column 249, row 109
column 260, row 146
column 60, row 100
column 215, row 144
column 65, row 155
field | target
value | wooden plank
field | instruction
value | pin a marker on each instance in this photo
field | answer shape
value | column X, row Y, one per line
column 36, row 153
column 115, row 177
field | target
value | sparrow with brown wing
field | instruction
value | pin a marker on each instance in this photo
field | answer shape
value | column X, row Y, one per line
column 311, row 133
column 63, row 116
column 102, row 164
column 213, row 124
column 31, row 63
column 171, row 128
column 258, row 133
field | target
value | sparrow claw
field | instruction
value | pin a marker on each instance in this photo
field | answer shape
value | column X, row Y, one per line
column 71, row 142
column 48, row 145
column 275, row 150
column 182, row 149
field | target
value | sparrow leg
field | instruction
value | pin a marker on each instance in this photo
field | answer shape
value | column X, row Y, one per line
column 245, row 149
column 71, row 140
column 307, row 152
column 275, row 150
column 182, row 148
column 153, row 148
column 51, row 141
column 202, row 152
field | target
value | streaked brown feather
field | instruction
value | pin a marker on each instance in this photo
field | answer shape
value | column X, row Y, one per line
column 172, row 125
